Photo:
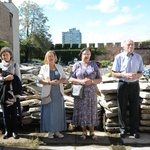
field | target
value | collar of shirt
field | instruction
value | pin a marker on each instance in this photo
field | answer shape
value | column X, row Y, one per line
column 128, row 54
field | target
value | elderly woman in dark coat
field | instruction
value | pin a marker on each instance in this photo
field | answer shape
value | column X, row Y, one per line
column 10, row 89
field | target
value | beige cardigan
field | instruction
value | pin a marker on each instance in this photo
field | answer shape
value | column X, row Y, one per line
column 45, row 74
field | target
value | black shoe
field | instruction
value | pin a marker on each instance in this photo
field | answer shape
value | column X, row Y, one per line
column 136, row 135
column 122, row 134
column 15, row 136
column 6, row 135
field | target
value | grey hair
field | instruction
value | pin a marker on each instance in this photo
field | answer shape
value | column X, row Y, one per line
column 6, row 49
column 126, row 41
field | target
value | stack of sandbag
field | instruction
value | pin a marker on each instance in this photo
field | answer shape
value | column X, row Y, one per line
column 108, row 100
column 145, row 107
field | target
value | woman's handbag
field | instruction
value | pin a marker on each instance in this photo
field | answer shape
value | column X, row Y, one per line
column 77, row 90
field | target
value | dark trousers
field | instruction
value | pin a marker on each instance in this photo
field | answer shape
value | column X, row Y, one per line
column 128, row 94
column 10, row 118
column 19, row 111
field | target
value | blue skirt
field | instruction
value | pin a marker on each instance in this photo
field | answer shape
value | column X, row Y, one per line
column 53, row 115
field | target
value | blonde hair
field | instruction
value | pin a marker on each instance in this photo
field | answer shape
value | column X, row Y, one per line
column 46, row 61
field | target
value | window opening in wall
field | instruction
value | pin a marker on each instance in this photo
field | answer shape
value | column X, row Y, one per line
column 11, row 17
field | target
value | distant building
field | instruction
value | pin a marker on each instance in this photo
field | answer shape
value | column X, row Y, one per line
column 72, row 36
column 9, row 27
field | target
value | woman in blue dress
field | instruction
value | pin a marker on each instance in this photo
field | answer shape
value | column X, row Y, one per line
column 86, row 73
column 53, row 117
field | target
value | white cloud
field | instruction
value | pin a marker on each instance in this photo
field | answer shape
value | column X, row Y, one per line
column 43, row 2
column 60, row 5
column 93, row 23
column 125, row 9
column 57, row 4
column 139, row 16
column 120, row 19
column 106, row 6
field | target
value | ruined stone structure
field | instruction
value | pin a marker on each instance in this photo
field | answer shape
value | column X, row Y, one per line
column 142, row 48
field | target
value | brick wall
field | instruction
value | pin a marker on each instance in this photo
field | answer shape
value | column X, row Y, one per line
column 5, row 27
column 113, row 49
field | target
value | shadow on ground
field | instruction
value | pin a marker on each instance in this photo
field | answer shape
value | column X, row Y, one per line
column 72, row 138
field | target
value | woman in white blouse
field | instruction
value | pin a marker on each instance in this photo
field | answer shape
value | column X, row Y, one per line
column 53, row 117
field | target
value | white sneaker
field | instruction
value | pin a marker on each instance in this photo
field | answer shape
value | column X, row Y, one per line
column 50, row 135
column 59, row 135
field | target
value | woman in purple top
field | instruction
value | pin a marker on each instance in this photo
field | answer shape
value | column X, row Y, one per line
column 85, row 113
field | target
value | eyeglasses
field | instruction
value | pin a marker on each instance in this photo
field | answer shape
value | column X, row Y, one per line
column 86, row 54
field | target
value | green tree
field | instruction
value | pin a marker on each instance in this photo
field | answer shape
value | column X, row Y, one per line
column 3, row 43
column 34, row 33
column 101, row 51
column 98, row 51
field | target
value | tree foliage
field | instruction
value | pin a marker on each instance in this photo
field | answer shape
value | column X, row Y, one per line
column 101, row 51
column 3, row 43
column 34, row 33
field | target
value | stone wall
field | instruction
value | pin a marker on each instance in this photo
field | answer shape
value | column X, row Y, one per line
column 113, row 49
column 145, row 55
column 5, row 24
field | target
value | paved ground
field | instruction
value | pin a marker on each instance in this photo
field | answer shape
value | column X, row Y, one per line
column 72, row 141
